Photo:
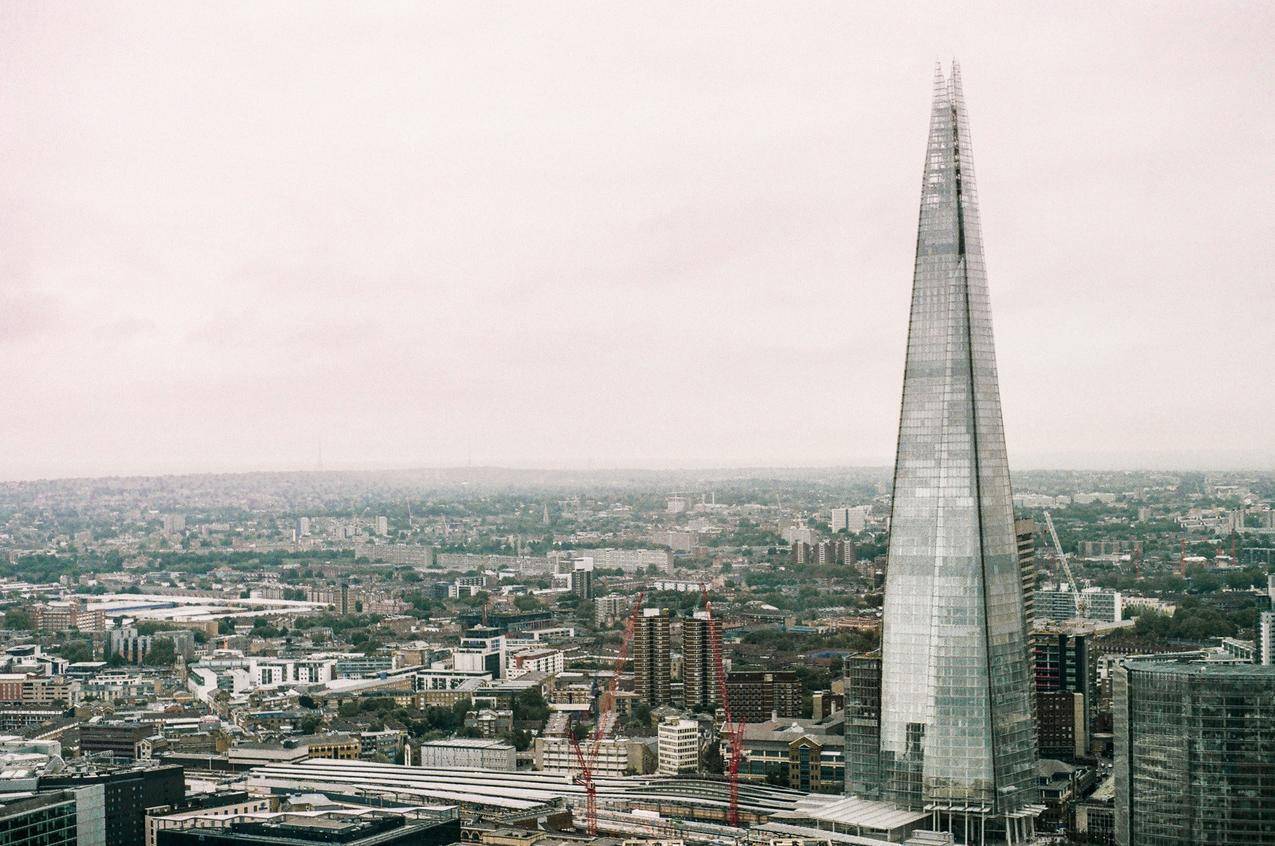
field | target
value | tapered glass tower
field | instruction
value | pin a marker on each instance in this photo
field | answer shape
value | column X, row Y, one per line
column 956, row 732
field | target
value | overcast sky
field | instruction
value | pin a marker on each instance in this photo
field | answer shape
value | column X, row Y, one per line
column 601, row 234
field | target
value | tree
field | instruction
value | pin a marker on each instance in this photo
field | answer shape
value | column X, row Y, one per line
column 161, row 654
column 226, row 626
column 19, row 618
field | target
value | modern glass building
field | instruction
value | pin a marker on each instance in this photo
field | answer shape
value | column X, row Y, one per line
column 957, row 736
column 1194, row 753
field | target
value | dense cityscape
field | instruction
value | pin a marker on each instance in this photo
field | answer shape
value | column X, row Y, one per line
column 947, row 650
column 232, row 646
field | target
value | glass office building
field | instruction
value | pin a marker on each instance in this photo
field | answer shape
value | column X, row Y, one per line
column 1194, row 753
column 957, row 736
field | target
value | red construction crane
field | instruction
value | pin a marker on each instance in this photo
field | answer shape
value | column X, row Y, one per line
column 733, row 731
column 606, row 707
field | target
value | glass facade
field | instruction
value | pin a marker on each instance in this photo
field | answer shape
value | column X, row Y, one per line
column 956, row 721
column 1194, row 753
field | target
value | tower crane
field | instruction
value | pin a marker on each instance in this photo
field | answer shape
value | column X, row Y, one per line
column 734, row 731
column 587, row 761
column 1062, row 556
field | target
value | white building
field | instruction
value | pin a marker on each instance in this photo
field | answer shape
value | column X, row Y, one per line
column 550, row 661
column 850, row 519
column 678, row 747
column 466, row 753
column 1266, row 638
column 555, row 755
column 1060, row 604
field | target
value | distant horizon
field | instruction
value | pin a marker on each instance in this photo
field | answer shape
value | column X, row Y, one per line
column 455, row 468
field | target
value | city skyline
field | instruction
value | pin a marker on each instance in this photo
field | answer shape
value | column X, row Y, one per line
column 450, row 245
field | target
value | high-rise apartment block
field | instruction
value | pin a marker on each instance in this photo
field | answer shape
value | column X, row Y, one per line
column 850, row 519
column 652, row 660
column 957, row 734
column 1266, row 638
column 699, row 677
column 759, row 695
column 1194, row 753
column 1025, row 539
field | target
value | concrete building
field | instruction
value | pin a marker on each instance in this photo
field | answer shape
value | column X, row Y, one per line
column 760, row 695
column 1193, row 753
column 617, row 756
column 1266, row 638
column 611, row 608
column 482, row 650
column 678, row 747
column 70, row 615
column 852, row 519
column 652, row 657
column 699, row 677
column 1025, row 541
column 544, row 661
column 467, row 753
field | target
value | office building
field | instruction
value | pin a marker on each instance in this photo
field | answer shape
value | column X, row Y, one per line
column 959, row 738
column 699, row 676
column 481, row 650
column 652, row 659
column 111, row 802
column 863, row 725
column 120, row 740
column 37, row 819
column 467, row 753
column 759, row 695
column 1194, row 753
column 349, row 828
column 677, row 746
column 1063, row 664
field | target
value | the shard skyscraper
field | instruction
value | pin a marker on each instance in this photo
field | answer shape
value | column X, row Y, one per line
column 956, row 731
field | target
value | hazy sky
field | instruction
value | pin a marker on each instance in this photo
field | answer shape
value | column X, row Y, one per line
column 618, row 233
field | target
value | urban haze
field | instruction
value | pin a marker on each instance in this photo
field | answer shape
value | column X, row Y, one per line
column 636, row 425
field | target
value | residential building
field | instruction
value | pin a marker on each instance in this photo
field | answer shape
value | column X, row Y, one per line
column 699, row 676
column 760, row 695
column 582, row 578
column 1266, row 638
column 1193, row 753
column 652, row 657
column 958, row 737
column 544, row 661
column 70, row 615
column 611, row 608
column 482, row 650
column 1025, row 541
